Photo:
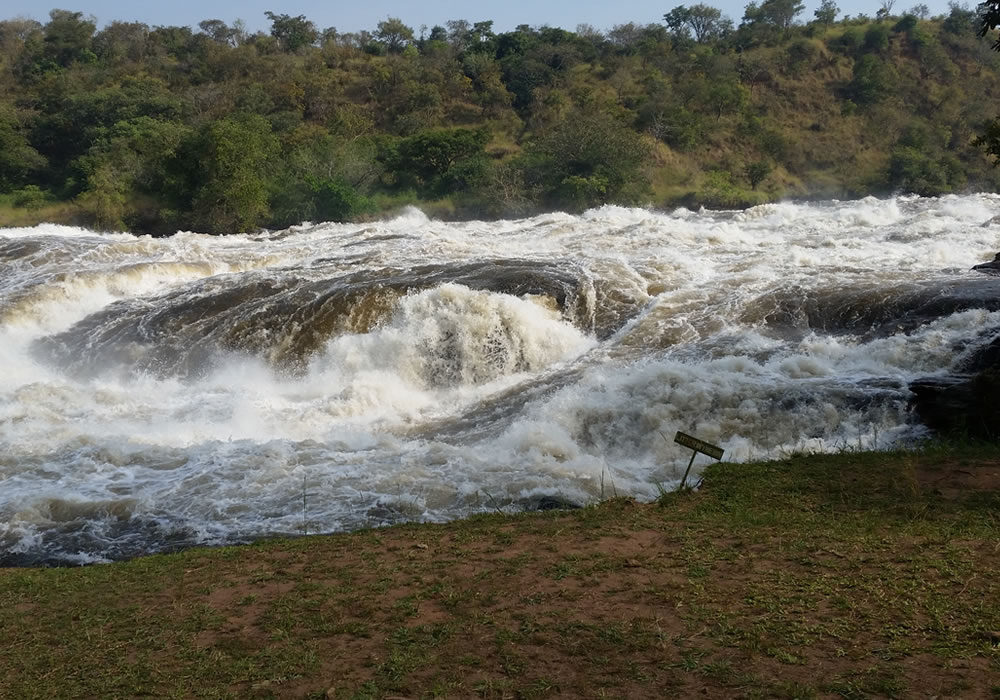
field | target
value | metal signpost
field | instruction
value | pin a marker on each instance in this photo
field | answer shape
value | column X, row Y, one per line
column 697, row 446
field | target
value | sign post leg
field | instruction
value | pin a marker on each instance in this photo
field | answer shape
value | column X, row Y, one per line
column 687, row 471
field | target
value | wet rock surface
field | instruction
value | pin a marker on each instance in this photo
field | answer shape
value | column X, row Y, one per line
column 966, row 404
column 990, row 268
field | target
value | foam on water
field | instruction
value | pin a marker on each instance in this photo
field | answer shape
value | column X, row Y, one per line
column 784, row 327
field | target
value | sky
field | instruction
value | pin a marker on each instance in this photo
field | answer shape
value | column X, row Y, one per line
column 354, row 16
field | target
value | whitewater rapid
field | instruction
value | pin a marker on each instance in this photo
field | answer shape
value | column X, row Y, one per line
column 166, row 392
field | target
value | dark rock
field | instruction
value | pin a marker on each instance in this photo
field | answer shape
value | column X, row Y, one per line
column 965, row 406
column 990, row 268
column 982, row 359
column 551, row 503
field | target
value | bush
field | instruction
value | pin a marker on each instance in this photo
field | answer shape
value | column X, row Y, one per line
column 848, row 43
column 873, row 80
column 336, row 200
column 911, row 169
column 30, row 197
column 588, row 159
column 877, row 38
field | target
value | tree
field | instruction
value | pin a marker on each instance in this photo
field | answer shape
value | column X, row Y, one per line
column 704, row 21
column 989, row 20
column 18, row 160
column 873, row 80
column 122, row 41
column 827, row 12
column 885, row 11
column 336, row 200
column 393, row 34
column 589, row 158
column 293, row 33
column 135, row 158
column 725, row 96
column 757, row 172
column 67, row 37
column 440, row 160
column 15, row 32
column 912, row 169
column 989, row 16
column 484, row 72
column 438, row 34
column 235, row 153
column 876, row 39
column 217, row 30
column 963, row 21
column 779, row 14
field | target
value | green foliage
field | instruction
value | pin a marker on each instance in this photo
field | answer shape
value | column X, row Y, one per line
column 990, row 139
column 522, row 76
column 19, row 161
column 726, row 95
column 876, row 39
column 768, row 22
column 68, row 36
column 336, row 200
column 135, row 157
column 704, row 21
column 849, row 42
column 439, row 161
column 235, row 155
column 719, row 190
column 588, row 159
column 827, row 12
column 962, row 21
column 989, row 19
column 873, row 80
column 393, row 35
column 293, row 33
column 914, row 170
column 105, row 198
column 757, row 172
column 906, row 23
column 802, row 55
column 777, row 13
column 158, row 128
column 918, row 164
column 29, row 197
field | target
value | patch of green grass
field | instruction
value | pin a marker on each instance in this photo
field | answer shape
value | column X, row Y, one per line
column 847, row 565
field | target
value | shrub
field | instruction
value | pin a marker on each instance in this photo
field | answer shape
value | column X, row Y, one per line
column 30, row 197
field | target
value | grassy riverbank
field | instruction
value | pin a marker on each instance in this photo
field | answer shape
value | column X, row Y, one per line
column 852, row 575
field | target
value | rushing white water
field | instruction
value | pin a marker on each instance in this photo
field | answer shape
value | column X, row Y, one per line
column 157, row 393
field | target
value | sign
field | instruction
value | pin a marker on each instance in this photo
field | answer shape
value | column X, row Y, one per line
column 699, row 445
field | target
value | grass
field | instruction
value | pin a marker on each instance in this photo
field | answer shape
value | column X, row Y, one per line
column 66, row 213
column 855, row 575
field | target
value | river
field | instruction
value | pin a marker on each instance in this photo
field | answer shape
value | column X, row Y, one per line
column 157, row 393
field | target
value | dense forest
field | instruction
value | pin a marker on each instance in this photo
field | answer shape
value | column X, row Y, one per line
column 155, row 129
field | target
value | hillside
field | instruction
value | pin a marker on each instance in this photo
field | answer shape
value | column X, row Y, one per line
column 152, row 129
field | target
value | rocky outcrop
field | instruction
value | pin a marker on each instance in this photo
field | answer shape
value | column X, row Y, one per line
column 965, row 404
column 990, row 268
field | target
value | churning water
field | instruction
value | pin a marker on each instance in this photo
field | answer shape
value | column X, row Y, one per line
column 156, row 393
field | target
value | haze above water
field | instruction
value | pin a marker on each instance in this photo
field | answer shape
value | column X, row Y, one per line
column 158, row 393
